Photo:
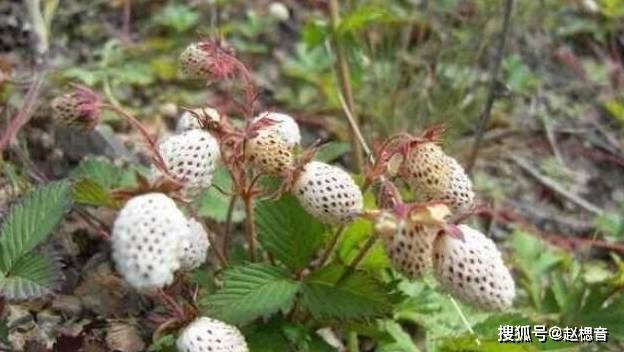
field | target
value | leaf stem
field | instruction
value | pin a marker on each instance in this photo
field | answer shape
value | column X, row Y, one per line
column 250, row 226
column 464, row 319
column 228, row 224
column 332, row 245
column 159, row 162
column 370, row 242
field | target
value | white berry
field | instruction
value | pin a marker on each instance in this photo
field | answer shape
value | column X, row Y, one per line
column 210, row 335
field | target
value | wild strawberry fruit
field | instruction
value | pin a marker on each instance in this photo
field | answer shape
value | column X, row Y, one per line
column 473, row 270
column 193, row 248
column 190, row 119
column 191, row 158
column 209, row 60
column 285, row 127
column 328, row 193
column 206, row 334
column 145, row 240
column 269, row 153
column 80, row 108
column 410, row 248
column 437, row 175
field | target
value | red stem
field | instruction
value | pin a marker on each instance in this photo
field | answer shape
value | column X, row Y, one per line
column 24, row 114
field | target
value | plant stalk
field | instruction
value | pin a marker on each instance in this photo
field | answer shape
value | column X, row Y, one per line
column 368, row 245
column 250, row 226
column 344, row 79
column 332, row 246
column 492, row 96
column 228, row 224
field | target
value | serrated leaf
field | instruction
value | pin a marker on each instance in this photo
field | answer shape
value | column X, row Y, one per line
column 31, row 276
column 288, row 232
column 87, row 191
column 104, row 173
column 30, row 222
column 359, row 296
column 251, row 291
column 267, row 337
column 214, row 204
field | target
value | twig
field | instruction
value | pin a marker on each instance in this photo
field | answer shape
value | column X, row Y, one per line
column 550, row 183
column 487, row 112
column 355, row 128
column 342, row 68
column 127, row 14
column 549, row 132
column 24, row 114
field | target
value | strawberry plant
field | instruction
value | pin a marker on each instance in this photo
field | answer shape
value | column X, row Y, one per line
column 266, row 200
column 293, row 279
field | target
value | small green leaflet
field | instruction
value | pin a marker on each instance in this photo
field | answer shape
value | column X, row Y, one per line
column 33, row 275
column 27, row 225
column 251, row 291
column 288, row 232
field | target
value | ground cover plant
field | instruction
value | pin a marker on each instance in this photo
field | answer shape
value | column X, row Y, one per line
column 359, row 176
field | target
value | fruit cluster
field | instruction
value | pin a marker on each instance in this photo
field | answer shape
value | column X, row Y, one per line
column 152, row 237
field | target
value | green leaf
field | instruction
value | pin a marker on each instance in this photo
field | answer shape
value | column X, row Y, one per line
column 315, row 33
column 357, row 297
column 30, row 222
column 86, row 191
column 104, row 173
column 177, row 17
column 288, row 232
column 214, row 204
column 362, row 17
column 354, row 238
column 267, row 337
column 332, row 151
column 251, row 291
column 33, row 275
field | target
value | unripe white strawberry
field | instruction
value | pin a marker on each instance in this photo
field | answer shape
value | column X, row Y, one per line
column 190, row 119
column 438, row 176
column 269, row 153
column 209, row 60
column 80, row 108
column 193, row 248
column 210, row 335
column 328, row 193
column 145, row 240
column 285, row 126
column 410, row 248
column 473, row 270
column 191, row 158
